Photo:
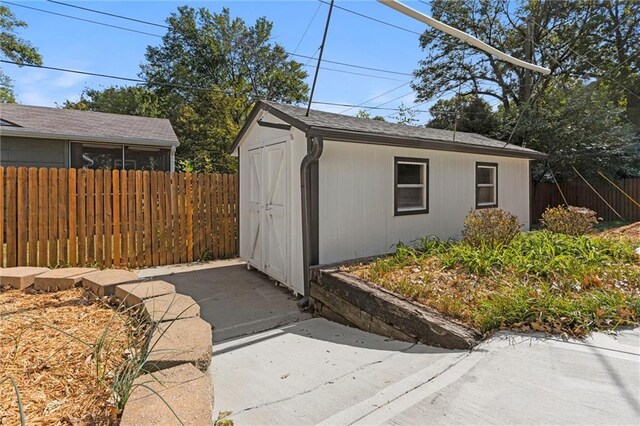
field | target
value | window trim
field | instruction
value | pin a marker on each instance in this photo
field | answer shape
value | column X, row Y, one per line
column 418, row 161
column 479, row 165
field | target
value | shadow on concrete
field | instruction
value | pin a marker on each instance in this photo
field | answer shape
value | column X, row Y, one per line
column 320, row 329
column 235, row 300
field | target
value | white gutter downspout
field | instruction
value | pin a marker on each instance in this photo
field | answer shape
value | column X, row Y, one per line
column 461, row 35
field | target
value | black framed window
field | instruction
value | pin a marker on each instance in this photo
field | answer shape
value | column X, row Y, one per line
column 116, row 156
column 486, row 185
column 411, row 186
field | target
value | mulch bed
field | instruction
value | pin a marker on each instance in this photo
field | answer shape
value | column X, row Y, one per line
column 62, row 350
column 632, row 231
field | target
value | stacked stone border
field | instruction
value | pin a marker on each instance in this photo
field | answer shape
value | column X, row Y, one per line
column 344, row 298
column 177, row 385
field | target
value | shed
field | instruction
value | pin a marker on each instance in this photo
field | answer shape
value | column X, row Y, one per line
column 35, row 136
column 328, row 187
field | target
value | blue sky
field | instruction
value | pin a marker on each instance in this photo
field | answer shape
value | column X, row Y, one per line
column 69, row 43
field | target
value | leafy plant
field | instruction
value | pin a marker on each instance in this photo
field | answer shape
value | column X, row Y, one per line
column 492, row 227
column 569, row 220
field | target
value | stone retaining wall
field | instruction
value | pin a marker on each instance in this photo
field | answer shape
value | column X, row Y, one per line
column 177, row 385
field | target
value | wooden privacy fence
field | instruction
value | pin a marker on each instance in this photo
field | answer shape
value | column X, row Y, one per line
column 115, row 218
column 579, row 194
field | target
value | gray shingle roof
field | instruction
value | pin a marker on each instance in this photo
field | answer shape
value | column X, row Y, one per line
column 86, row 124
column 328, row 120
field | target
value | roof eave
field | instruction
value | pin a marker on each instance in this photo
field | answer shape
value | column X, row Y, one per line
column 378, row 139
column 88, row 138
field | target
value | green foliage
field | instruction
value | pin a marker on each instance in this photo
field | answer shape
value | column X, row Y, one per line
column 363, row 113
column 130, row 100
column 578, row 126
column 473, row 115
column 14, row 49
column 569, row 220
column 490, row 227
column 540, row 281
column 591, row 126
column 209, row 70
column 406, row 115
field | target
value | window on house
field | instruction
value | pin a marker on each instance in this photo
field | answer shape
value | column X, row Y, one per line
column 486, row 185
column 115, row 156
column 411, row 186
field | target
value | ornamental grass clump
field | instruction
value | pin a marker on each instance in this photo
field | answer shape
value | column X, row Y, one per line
column 490, row 227
column 569, row 220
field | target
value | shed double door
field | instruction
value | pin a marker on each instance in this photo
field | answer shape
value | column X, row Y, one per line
column 268, row 216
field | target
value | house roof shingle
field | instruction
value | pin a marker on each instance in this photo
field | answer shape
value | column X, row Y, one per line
column 84, row 125
column 361, row 127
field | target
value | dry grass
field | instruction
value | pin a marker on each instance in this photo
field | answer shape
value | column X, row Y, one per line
column 629, row 231
column 540, row 281
column 62, row 350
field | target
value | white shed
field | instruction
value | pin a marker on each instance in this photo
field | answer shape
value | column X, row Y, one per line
column 329, row 187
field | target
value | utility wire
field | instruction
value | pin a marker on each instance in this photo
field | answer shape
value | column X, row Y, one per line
column 362, row 15
column 81, row 19
column 346, row 64
column 140, row 21
column 185, row 87
column 377, row 97
column 307, row 29
column 167, row 27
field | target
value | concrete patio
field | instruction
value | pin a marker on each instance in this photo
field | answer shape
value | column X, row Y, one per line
column 275, row 365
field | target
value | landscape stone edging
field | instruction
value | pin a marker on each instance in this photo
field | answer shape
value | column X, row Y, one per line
column 345, row 298
column 186, row 370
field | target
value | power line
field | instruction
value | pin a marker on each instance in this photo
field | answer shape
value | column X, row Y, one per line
column 109, row 14
column 167, row 27
column 115, row 77
column 138, row 80
column 82, row 19
column 352, row 72
column 377, row 97
column 307, row 29
column 362, row 15
column 353, row 65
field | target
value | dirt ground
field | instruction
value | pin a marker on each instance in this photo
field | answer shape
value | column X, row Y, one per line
column 62, row 351
column 632, row 230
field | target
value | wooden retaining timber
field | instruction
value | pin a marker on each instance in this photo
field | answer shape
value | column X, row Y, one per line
column 116, row 218
column 344, row 298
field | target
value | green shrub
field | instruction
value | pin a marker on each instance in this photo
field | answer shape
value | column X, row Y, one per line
column 569, row 220
column 490, row 227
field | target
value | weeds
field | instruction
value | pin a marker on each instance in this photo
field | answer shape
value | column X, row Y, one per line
column 540, row 281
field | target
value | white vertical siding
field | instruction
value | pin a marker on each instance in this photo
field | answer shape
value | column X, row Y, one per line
column 356, row 197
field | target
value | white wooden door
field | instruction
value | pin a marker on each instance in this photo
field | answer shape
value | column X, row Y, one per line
column 255, row 208
column 275, row 225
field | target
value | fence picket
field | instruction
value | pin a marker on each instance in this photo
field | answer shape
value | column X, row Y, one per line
column 72, row 200
column 116, row 218
column 12, row 218
column 32, row 208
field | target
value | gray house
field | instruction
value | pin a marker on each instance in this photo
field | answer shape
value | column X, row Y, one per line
column 33, row 136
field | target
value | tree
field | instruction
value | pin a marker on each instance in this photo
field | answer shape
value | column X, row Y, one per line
column 209, row 71
column 464, row 113
column 406, row 115
column 363, row 113
column 130, row 100
column 14, row 49
column 578, row 126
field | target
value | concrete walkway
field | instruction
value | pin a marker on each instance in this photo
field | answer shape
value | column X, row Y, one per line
column 316, row 372
column 234, row 300
column 307, row 371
